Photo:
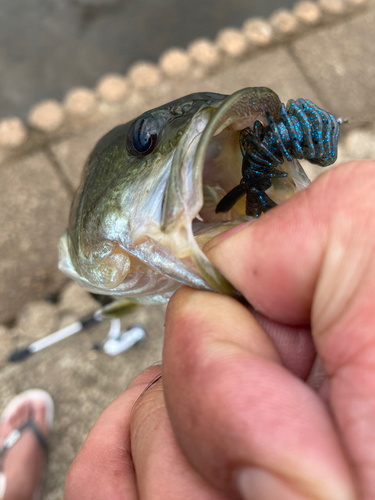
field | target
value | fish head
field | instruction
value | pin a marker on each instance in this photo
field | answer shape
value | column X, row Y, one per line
column 146, row 202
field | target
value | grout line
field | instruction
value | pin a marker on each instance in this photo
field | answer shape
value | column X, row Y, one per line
column 58, row 169
column 306, row 76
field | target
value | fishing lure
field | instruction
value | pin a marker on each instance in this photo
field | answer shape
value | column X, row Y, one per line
column 303, row 131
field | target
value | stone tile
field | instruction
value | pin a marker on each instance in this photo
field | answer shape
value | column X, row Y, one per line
column 33, row 214
column 340, row 60
column 73, row 152
column 274, row 69
column 361, row 143
column 76, row 302
column 82, row 383
column 6, row 344
column 36, row 320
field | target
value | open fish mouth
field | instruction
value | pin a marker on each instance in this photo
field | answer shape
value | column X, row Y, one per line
column 155, row 190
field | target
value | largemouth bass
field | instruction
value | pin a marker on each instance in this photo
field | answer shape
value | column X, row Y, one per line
column 156, row 189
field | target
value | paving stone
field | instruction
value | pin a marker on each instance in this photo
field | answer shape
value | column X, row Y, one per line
column 232, row 42
column 66, row 319
column 33, row 214
column 340, row 60
column 81, row 102
column 343, row 155
column 175, row 62
column 72, row 153
column 275, row 69
column 361, row 143
column 76, row 301
column 36, row 320
column 5, row 343
column 13, row 133
column 47, row 116
column 204, row 52
column 113, row 88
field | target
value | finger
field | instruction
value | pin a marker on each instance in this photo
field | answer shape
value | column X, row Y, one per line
column 162, row 471
column 294, row 344
column 312, row 259
column 103, row 468
column 243, row 420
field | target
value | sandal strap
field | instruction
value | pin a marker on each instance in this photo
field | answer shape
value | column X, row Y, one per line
column 30, row 424
column 15, row 434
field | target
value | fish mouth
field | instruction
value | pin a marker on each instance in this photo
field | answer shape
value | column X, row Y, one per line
column 209, row 168
column 219, row 156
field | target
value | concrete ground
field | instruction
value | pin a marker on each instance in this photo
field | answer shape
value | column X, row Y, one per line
column 332, row 64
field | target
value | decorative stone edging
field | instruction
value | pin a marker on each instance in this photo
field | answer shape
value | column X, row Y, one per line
column 83, row 106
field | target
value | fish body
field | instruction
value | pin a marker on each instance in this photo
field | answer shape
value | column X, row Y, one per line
column 149, row 192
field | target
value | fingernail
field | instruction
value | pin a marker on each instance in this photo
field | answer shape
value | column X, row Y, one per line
column 258, row 484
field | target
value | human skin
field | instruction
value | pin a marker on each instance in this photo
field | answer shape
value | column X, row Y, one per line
column 244, row 408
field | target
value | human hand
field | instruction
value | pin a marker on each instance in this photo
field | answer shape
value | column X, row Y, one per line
column 242, row 417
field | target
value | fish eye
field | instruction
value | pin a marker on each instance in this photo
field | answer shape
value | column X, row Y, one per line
column 142, row 137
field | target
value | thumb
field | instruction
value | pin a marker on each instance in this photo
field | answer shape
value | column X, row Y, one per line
column 244, row 421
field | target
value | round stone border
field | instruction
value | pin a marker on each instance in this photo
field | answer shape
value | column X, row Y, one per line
column 84, row 106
